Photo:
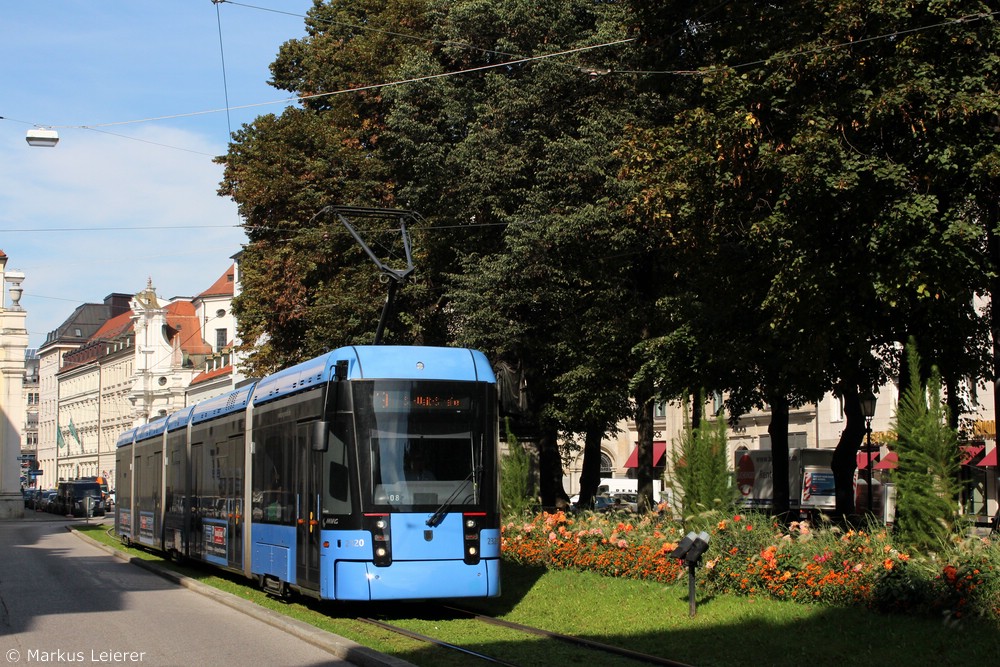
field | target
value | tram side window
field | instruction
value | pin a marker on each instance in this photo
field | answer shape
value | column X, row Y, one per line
column 273, row 499
column 338, row 499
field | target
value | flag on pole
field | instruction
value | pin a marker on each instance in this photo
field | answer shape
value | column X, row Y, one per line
column 72, row 432
column 59, row 437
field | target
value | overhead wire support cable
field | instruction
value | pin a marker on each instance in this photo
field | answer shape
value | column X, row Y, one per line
column 222, row 54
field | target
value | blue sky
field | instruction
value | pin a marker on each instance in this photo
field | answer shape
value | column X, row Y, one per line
column 112, row 207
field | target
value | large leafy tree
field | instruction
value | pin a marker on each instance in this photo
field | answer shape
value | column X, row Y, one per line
column 525, row 253
column 790, row 157
column 308, row 285
column 521, row 163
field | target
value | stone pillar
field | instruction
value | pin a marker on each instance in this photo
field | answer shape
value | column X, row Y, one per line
column 13, row 344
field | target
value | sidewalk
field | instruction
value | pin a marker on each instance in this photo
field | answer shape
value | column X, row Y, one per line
column 342, row 648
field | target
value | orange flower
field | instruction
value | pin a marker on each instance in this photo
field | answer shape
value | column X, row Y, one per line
column 887, row 563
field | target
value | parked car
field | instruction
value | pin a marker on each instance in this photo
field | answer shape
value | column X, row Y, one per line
column 601, row 504
column 46, row 501
column 74, row 497
column 627, row 502
column 30, row 496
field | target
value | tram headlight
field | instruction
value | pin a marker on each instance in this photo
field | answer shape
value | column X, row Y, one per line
column 380, row 552
column 381, row 524
column 470, row 523
column 472, row 551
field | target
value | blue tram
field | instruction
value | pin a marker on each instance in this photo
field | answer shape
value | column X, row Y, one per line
column 368, row 473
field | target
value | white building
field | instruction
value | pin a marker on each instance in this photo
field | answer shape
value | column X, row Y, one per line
column 13, row 343
column 123, row 363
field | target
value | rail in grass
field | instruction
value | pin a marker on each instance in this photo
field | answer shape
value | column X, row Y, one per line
column 368, row 473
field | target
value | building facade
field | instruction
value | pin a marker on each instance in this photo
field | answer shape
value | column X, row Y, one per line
column 119, row 364
column 85, row 321
column 13, row 345
column 814, row 425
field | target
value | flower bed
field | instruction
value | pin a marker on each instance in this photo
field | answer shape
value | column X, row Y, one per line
column 754, row 555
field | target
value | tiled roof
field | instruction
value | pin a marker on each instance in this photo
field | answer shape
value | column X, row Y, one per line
column 182, row 320
column 224, row 286
column 114, row 327
column 212, row 374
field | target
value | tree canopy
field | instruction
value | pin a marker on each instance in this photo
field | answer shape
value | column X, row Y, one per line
column 628, row 201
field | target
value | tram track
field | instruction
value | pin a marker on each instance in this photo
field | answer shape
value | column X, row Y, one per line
column 578, row 642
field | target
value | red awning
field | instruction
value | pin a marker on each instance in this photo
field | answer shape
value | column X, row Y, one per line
column 659, row 449
column 863, row 459
column 990, row 459
column 889, row 462
column 969, row 452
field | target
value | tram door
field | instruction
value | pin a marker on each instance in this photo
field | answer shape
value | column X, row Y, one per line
column 308, row 520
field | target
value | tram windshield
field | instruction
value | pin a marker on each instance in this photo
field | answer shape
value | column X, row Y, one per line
column 425, row 440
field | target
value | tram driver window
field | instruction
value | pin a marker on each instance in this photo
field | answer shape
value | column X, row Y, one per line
column 417, row 466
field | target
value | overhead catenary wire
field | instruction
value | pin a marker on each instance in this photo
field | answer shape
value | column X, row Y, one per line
column 518, row 61
column 355, row 89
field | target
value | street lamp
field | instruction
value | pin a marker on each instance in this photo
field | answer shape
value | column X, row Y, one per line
column 867, row 401
column 42, row 137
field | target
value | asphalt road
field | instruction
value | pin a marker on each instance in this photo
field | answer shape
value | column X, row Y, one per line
column 66, row 599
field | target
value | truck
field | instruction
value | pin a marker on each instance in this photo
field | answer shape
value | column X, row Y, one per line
column 617, row 486
column 811, row 486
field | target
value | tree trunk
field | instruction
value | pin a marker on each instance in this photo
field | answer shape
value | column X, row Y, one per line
column 590, row 476
column 550, row 472
column 778, row 430
column 993, row 247
column 697, row 409
column 845, row 456
column 644, row 426
column 952, row 400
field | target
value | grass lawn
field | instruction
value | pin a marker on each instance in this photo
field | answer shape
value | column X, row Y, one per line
column 643, row 616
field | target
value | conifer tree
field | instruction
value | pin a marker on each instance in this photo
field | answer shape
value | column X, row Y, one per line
column 701, row 477
column 515, row 477
column 927, row 476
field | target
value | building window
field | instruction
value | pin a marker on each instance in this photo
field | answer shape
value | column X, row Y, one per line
column 220, row 339
column 837, row 414
column 606, row 470
column 659, row 409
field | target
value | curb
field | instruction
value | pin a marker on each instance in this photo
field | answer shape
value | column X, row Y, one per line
column 338, row 646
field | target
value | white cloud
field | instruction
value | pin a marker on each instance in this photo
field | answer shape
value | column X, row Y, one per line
column 128, row 211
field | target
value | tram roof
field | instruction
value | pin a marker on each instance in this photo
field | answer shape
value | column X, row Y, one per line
column 234, row 401
column 179, row 419
column 126, row 438
column 151, row 430
column 382, row 362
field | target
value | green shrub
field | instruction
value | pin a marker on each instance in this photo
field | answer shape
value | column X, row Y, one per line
column 515, row 478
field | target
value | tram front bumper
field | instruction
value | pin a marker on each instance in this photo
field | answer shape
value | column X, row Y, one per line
column 406, row 580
